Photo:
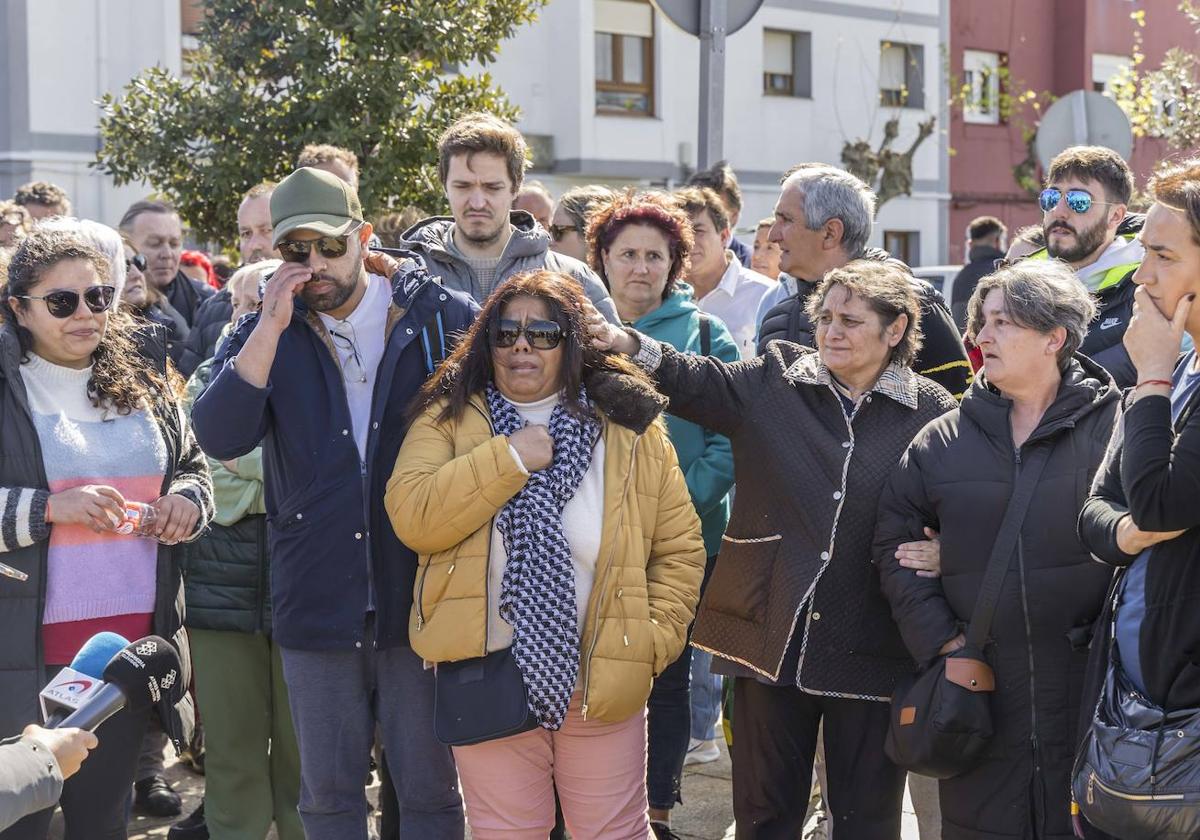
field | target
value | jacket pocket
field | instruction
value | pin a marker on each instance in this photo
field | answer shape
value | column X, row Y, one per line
column 741, row 582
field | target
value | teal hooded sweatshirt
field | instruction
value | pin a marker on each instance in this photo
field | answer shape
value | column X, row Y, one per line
column 705, row 457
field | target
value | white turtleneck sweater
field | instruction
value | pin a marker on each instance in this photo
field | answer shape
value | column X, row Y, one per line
column 583, row 520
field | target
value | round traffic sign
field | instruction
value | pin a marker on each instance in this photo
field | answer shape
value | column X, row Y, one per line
column 686, row 13
column 1083, row 118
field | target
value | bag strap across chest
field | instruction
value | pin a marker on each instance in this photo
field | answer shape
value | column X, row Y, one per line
column 1004, row 547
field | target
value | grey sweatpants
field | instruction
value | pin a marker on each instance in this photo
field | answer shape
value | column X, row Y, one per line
column 337, row 698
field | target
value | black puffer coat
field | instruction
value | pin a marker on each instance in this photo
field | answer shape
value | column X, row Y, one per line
column 942, row 356
column 957, row 477
column 211, row 318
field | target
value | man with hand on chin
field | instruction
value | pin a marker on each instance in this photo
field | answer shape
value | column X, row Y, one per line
column 322, row 376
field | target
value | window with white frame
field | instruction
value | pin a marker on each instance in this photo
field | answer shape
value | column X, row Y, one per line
column 625, row 57
column 901, row 75
column 1105, row 68
column 787, row 63
column 981, row 87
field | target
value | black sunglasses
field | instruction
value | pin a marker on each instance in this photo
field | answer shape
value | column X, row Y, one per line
column 137, row 261
column 329, row 247
column 63, row 303
column 541, row 335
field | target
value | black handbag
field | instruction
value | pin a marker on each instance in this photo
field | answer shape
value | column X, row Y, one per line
column 941, row 719
column 481, row 699
column 1137, row 773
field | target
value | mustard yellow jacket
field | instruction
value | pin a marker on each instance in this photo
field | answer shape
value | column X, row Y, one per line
column 450, row 481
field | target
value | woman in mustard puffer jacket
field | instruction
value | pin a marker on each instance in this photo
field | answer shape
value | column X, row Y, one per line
column 547, row 506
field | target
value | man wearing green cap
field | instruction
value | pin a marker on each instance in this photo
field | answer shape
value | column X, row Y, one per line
column 321, row 376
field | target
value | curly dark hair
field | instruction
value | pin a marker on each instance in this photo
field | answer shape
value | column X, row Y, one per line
column 653, row 209
column 120, row 380
column 468, row 369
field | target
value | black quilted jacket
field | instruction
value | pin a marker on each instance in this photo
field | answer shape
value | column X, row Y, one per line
column 794, row 588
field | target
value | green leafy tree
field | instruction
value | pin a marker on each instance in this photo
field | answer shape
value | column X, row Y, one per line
column 1162, row 102
column 270, row 77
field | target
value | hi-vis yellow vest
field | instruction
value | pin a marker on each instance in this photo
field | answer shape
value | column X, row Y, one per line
column 1112, row 276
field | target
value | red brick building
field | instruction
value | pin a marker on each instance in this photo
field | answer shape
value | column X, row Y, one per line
column 1058, row 46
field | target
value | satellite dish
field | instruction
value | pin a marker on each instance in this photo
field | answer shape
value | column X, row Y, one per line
column 686, row 13
column 1083, row 118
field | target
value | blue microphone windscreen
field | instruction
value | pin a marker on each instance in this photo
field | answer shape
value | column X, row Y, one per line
column 97, row 652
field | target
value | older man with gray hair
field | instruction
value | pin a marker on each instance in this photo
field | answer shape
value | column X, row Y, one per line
column 824, row 218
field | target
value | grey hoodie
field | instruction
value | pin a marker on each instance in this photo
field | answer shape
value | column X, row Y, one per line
column 528, row 249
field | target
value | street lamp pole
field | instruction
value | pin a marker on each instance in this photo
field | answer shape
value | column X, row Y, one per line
column 711, row 141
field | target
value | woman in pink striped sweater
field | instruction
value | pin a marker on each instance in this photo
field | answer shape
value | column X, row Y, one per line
column 89, row 421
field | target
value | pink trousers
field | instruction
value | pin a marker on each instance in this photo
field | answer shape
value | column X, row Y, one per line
column 599, row 769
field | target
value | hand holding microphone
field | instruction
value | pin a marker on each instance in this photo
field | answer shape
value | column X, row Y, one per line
column 68, row 746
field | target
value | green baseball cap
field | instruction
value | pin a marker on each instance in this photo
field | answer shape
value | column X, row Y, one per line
column 316, row 200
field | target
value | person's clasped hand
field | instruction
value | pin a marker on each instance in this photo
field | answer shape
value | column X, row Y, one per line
column 95, row 506
column 177, row 518
column 606, row 336
column 1153, row 340
column 535, row 446
column 923, row 556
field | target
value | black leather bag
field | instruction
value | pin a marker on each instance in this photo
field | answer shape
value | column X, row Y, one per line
column 1137, row 773
column 481, row 699
column 941, row 719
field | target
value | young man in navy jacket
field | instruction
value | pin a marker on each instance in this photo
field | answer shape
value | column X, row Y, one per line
column 321, row 377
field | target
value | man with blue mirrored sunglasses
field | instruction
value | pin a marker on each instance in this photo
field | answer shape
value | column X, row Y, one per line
column 1084, row 217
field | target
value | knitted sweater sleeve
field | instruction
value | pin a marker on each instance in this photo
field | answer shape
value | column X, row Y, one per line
column 22, row 517
column 191, row 478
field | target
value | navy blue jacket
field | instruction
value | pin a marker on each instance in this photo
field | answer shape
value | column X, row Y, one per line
column 332, row 547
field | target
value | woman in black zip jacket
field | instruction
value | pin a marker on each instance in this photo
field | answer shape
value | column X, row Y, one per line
column 957, row 477
column 1143, row 509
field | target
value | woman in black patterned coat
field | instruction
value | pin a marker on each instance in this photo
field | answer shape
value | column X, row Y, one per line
column 793, row 610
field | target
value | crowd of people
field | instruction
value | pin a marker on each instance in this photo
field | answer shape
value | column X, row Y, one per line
column 513, row 506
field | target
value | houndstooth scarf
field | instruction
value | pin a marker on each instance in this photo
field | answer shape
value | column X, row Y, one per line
column 537, row 595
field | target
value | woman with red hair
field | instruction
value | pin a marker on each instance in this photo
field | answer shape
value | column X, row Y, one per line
column 639, row 244
column 197, row 265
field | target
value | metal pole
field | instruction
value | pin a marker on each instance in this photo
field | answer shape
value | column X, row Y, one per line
column 713, row 17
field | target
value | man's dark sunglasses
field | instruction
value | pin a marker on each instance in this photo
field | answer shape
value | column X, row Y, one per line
column 329, row 247
column 541, row 335
column 63, row 303
column 1080, row 201
column 137, row 261
column 557, row 232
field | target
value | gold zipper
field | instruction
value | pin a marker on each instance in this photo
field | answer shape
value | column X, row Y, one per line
column 1133, row 797
column 587, row 678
